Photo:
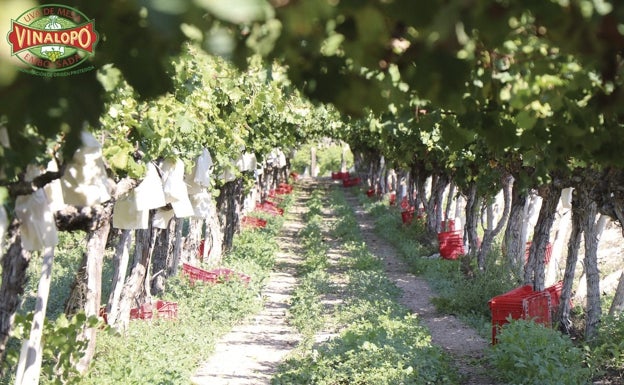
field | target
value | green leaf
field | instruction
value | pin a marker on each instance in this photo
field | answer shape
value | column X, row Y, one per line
column 526, row 120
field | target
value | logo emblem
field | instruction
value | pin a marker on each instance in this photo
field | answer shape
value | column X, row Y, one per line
column 52, row 38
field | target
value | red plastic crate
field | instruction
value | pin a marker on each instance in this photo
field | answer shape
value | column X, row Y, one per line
column 253, row 222
column 212, row 276
column 159, row 309
column 451, row 244
column 547, row 254
column 407, row 216
column 537, row 307
column 340, row 175
column 197, row 274
column 270, row 208
column 520, row 303
column 288, row 188
column 351, row 182
column 274, row 198
column 555, row 297
column 448, row 225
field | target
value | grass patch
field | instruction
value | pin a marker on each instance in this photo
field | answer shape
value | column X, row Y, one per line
column 306, row 312
column 380, row 342
column 532, row 354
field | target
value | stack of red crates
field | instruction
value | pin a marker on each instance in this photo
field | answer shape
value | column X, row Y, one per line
column 451, row 244
column 270, row 208
column 284, row 188
column 274, row 198
column 521, row 303
column 253, row 222
column 340, row 175
column 212, row 276
column 351, row 182
column 407, row 215
column 159, row 309
column 448, row 225
column 197, row 274
column 547, row 253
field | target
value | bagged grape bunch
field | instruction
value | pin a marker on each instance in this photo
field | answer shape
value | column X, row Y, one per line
column 38, row 227
column 132, row 210
column 196, row 182
column 175, row 189
column 203, row 169
column 84, row 181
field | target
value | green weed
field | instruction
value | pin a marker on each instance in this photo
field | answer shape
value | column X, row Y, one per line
column 531, row 354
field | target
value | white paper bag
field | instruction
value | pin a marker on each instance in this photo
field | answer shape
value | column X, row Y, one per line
column 193, row 187
column 203, row 169
column 174, row 188
column 202, row 204
column 281, row 159
column 149, row 193
column 566, row 197
column 162, row 218
column 240, row 163
column 126, row 214
column 84, row 181
column 249, row 162
column 54, row 190
column 183, row 208
column 271, row 159
column 37, row 221
column 229, row 172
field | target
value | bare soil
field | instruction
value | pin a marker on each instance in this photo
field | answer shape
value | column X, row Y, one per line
column 250, row 353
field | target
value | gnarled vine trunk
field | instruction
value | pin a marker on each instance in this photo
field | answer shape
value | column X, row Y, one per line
column 592, row 274
column 534, row 271
column 574, row 245
column 617, row 306
column 120, row 269
column 437, row 195
column 473, row 205
column 513, row 245
column 449, row 203
column 161, row 258
column 96, row 245
column 213, row 239
column 491, row 232
column 229, row 205
column 14, row 265
column 135, row 291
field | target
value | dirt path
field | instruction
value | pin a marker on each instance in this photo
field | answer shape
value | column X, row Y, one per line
column 250, row 353
column 460, row 341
